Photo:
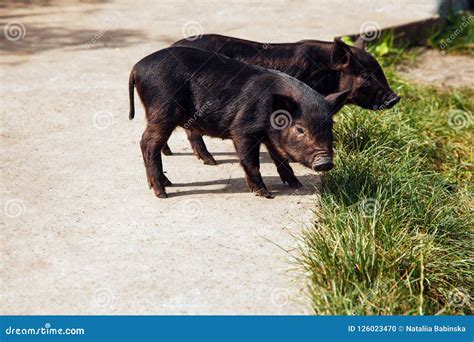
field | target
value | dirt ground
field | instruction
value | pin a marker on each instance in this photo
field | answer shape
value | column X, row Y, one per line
column 81, row 231
column 441, row 70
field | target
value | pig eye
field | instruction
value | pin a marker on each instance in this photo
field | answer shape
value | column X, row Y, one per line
column 300, row 130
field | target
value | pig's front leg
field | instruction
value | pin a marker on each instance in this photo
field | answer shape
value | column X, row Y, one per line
column 283, row 167
column 248, row 151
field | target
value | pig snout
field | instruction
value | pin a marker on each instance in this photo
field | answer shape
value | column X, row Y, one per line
column 390, row 100
column 322, row 163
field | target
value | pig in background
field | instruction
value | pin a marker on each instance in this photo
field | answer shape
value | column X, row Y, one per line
column 327, row 67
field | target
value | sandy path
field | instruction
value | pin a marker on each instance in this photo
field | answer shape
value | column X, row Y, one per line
column 81, row 232
column 441, row 70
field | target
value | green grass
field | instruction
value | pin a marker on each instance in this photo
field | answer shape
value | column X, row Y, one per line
column 394, row 230
column 456, row 35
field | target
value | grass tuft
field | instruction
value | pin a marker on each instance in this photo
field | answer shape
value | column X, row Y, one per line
column 395, row 231
column 456, row 35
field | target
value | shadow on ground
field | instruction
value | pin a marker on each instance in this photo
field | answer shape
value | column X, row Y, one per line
column 38, row 39
column 238, row 185
column 18, row 4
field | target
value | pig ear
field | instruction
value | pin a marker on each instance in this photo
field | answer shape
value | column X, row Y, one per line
column 341, row 54
column 337, row 100
column 360, row 42
column 283, row 102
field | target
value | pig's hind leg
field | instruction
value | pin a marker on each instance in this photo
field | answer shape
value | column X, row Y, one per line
column 248, row 151
column 283, row 167
column 199, row 148
column 153, row 140
column 166, row 150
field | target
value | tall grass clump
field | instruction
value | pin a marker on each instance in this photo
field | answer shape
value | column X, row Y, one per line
column 394, row 232
column 456, row 34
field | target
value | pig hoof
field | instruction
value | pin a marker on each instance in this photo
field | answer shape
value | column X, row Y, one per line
column 264, row 193
column 295, row 184
column 209, row 161
column 161, row 194
column 166, row 151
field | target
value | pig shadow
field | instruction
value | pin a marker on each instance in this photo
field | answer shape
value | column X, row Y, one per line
column 264, row 157
column 238, row 185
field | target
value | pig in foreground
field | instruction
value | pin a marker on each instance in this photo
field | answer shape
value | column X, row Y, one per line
column 213, row 95
column 327, row 67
